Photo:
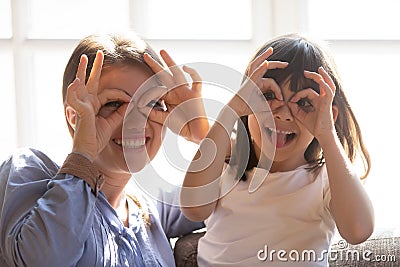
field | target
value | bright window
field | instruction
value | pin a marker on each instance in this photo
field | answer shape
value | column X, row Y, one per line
column 354, row 20
column 363, row 36
column 5, row 19
column 195, row 20
column 366, row 45
column 49, row 19
column 8, row 133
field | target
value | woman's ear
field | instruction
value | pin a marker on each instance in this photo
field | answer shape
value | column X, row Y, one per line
column 70, row 114
column 335, row 112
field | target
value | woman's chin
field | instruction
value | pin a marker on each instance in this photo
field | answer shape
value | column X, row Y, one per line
column 136, row 162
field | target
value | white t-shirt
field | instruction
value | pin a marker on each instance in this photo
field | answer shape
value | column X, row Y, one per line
column 285, row 222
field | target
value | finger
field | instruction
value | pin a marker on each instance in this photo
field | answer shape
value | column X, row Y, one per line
column 94, row 78
column 270, row 84
column 113, row 95
column 316, row 77
column 177, row 73
column 115, row 119
column 297, row 112
column 81, row 72
column 253, row 82
column 196, row 79
column 327, row 78
column 158, row 116
column 71, row 96
column 152, row 63
column 260, row 59
column 277, row 65
column 163, row 74
column 152, row 94
column 306, row 93
column 259, row 71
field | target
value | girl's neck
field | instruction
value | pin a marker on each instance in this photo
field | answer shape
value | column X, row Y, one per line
column 278, row 166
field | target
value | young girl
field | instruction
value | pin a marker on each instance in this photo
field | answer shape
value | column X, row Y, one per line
column 280, row 205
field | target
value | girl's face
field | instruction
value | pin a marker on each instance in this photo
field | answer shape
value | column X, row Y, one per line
column 142, row 137
column 290, row 137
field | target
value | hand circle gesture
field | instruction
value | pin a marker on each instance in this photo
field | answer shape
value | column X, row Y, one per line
column 314, row 110
column 91, row 131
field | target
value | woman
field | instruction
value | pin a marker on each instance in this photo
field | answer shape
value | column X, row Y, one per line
column 82, row 214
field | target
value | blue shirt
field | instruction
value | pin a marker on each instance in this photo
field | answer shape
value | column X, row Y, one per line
column 50, row 219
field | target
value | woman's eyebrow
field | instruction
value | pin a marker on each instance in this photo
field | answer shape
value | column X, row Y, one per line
column 120, row 89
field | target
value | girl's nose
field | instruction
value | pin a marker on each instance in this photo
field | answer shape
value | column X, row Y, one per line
column 283, row 113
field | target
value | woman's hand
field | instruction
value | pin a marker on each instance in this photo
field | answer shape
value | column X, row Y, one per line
column 313, row 110
column 185, row 114
column 249, row 98
column 92, row 132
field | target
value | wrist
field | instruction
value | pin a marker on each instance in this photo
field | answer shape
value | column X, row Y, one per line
column 227, row 118
column 328, row 138
column 80, row 166
column 83, row 152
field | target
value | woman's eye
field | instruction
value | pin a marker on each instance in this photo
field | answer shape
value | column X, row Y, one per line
column 305, row 104
column 109, row 108
column 113, row 104
column 157, row 105
column 269, row 95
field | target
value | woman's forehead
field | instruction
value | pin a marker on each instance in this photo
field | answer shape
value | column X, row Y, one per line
column 128, row 78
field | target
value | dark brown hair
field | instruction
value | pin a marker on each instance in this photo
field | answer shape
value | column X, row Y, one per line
column 303, row 54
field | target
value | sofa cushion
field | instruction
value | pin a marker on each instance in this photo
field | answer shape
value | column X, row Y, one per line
column 381, row 249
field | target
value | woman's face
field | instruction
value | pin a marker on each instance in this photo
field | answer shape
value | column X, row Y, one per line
column 138, row 139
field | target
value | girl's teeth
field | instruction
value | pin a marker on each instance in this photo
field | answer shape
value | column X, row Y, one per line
column 279, row 131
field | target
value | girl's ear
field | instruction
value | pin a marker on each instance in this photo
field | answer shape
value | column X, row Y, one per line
column 70, row 114
column 335, row 112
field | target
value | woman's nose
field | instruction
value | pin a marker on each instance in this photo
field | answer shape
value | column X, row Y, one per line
column 283, row 113
column 135, row 119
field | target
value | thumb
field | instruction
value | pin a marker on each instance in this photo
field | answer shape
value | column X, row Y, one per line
column 115, row 119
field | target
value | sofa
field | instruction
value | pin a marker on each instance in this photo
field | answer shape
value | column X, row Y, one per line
column 381, row 249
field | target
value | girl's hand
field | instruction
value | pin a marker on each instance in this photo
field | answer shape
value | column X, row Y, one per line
column 92, row 132
column 185, row 114
column 248, row 100
column 313, row 110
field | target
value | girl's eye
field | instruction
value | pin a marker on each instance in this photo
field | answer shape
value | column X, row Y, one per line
column 305, row 104
column 157, row 105
column 269, row 95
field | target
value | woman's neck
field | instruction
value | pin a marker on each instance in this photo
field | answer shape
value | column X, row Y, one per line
column 114, row 189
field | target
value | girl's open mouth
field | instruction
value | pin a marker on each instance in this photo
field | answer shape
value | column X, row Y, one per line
column 282, row 138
